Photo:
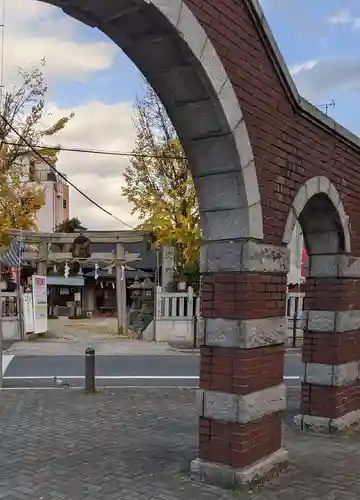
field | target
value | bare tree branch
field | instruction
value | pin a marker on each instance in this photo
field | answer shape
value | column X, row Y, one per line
column 160, row 188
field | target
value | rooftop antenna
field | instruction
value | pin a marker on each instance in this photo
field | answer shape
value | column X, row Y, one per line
column 325, row 107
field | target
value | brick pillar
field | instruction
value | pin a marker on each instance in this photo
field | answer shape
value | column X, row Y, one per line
column 242, row 394
column 330, row 396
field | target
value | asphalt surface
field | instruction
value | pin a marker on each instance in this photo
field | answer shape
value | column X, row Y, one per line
column 137, row 444
column 123, row 370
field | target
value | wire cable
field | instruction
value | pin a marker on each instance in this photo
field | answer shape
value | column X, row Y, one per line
column 102, row 152
column 33, row 149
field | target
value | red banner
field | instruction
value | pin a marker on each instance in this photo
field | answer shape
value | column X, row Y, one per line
column 304, row 258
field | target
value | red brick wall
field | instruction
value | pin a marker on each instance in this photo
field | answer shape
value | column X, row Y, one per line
column 243, row 296
column 332, row 294
column 241, row 371
column 331, row 348
column 239, row 445
column 289, row 148
column 332, row 402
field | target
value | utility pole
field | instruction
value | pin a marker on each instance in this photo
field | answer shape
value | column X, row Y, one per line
column 121, row 289
column 2, row 56
column 19, row 294
column 3, row 152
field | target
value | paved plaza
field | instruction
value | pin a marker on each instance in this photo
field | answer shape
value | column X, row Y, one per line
column 136, row 444
column 71, row 337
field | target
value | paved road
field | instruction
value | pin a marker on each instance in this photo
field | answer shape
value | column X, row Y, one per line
column 129, row 370
column 136, row 444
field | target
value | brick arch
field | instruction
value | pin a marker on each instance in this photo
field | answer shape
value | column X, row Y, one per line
column 251, row 141
column 291, row 140
column 167, row 43
column 331, row 315
column 314, row 187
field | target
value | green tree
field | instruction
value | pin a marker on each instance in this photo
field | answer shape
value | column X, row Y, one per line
column 159, row 185
column 23, row 110
column 72, row 225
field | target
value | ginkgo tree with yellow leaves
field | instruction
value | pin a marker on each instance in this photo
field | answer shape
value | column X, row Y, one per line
column 159, row 185
column 23, row 112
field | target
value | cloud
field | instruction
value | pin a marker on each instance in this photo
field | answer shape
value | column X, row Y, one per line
column 34, row 30
column 305, row 66
column 342, row 17
column 314, row 78
column 356, row 23
column 345, row 17
column 97, row 126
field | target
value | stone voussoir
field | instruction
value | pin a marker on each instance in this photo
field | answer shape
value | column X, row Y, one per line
column 325, row 425
column 334, row 266
column 244, row 334
column 349, row 267
column 230, row 478
column 246, row 256
column 331, row 375
column 226, row 407
column 331, row 321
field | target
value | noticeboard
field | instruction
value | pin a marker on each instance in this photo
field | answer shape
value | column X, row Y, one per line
column 39, row 291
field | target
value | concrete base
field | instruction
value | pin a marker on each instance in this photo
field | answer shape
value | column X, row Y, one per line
column 325, row 425
column 224, row 476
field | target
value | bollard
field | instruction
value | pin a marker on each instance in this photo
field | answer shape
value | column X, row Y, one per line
column 90, row 370
column 295, row 321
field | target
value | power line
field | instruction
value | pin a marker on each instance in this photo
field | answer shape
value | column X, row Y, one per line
column 102, row 152
column 33, row 149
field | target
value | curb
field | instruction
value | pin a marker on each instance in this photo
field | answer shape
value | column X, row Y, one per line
column 197, row 350
column 184, row 350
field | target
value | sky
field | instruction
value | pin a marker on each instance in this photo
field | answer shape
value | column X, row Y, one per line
column 89, row 75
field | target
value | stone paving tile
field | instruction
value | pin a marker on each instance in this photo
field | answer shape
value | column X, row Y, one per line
column 72, row 337
column 136, row 444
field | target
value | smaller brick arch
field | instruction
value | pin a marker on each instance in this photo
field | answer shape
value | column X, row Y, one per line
column 331, row 308
column 321, row 189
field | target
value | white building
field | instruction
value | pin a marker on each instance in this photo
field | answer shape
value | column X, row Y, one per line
column 56, row 207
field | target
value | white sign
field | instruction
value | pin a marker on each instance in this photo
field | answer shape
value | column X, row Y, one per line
column 39, row 291
column 167, row 266
column 28, row 313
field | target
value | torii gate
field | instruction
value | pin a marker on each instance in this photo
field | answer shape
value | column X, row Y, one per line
column 42, row 256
